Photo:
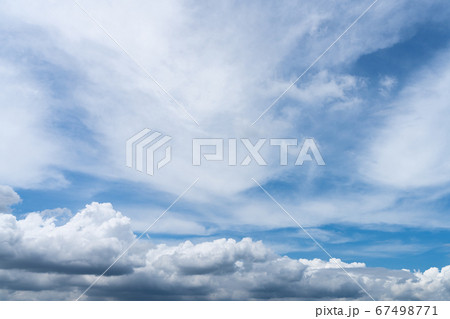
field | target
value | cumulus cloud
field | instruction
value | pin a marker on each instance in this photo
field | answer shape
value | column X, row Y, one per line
column 87, row 243
column 43, row 261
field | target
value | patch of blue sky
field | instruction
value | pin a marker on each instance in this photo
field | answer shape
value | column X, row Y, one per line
column 85, row 188
column 405, row 57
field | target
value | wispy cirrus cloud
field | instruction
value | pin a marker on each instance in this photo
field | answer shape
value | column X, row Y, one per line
column 411, row 148
column 8, row 197
column 221, row 84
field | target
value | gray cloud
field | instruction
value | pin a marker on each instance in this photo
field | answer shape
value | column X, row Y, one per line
column 43, row 261
column 86, row 244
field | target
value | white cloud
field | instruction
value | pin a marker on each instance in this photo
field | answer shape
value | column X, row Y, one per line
column 87, row 243
column 324, row 89
column 70, row 99
column 43, row 261
column 78, row 98
column 412, row 147
column 387, row 83
column 224, row 76
column 8, row 197
column 29, row 151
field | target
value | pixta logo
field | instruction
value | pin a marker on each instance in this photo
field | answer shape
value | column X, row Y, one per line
column 144, row 148
column 141, row 151
column 253, row 151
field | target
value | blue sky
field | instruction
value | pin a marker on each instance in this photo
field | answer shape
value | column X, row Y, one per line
column 376, row 104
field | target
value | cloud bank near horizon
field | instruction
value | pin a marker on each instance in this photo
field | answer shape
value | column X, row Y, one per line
column 42, row 260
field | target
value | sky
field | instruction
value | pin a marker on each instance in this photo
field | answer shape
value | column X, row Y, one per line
column 78, row 80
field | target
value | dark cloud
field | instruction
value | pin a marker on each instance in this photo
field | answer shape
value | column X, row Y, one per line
column 45, row 261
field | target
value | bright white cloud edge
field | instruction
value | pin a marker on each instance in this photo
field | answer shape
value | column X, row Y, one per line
column 44, row 261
